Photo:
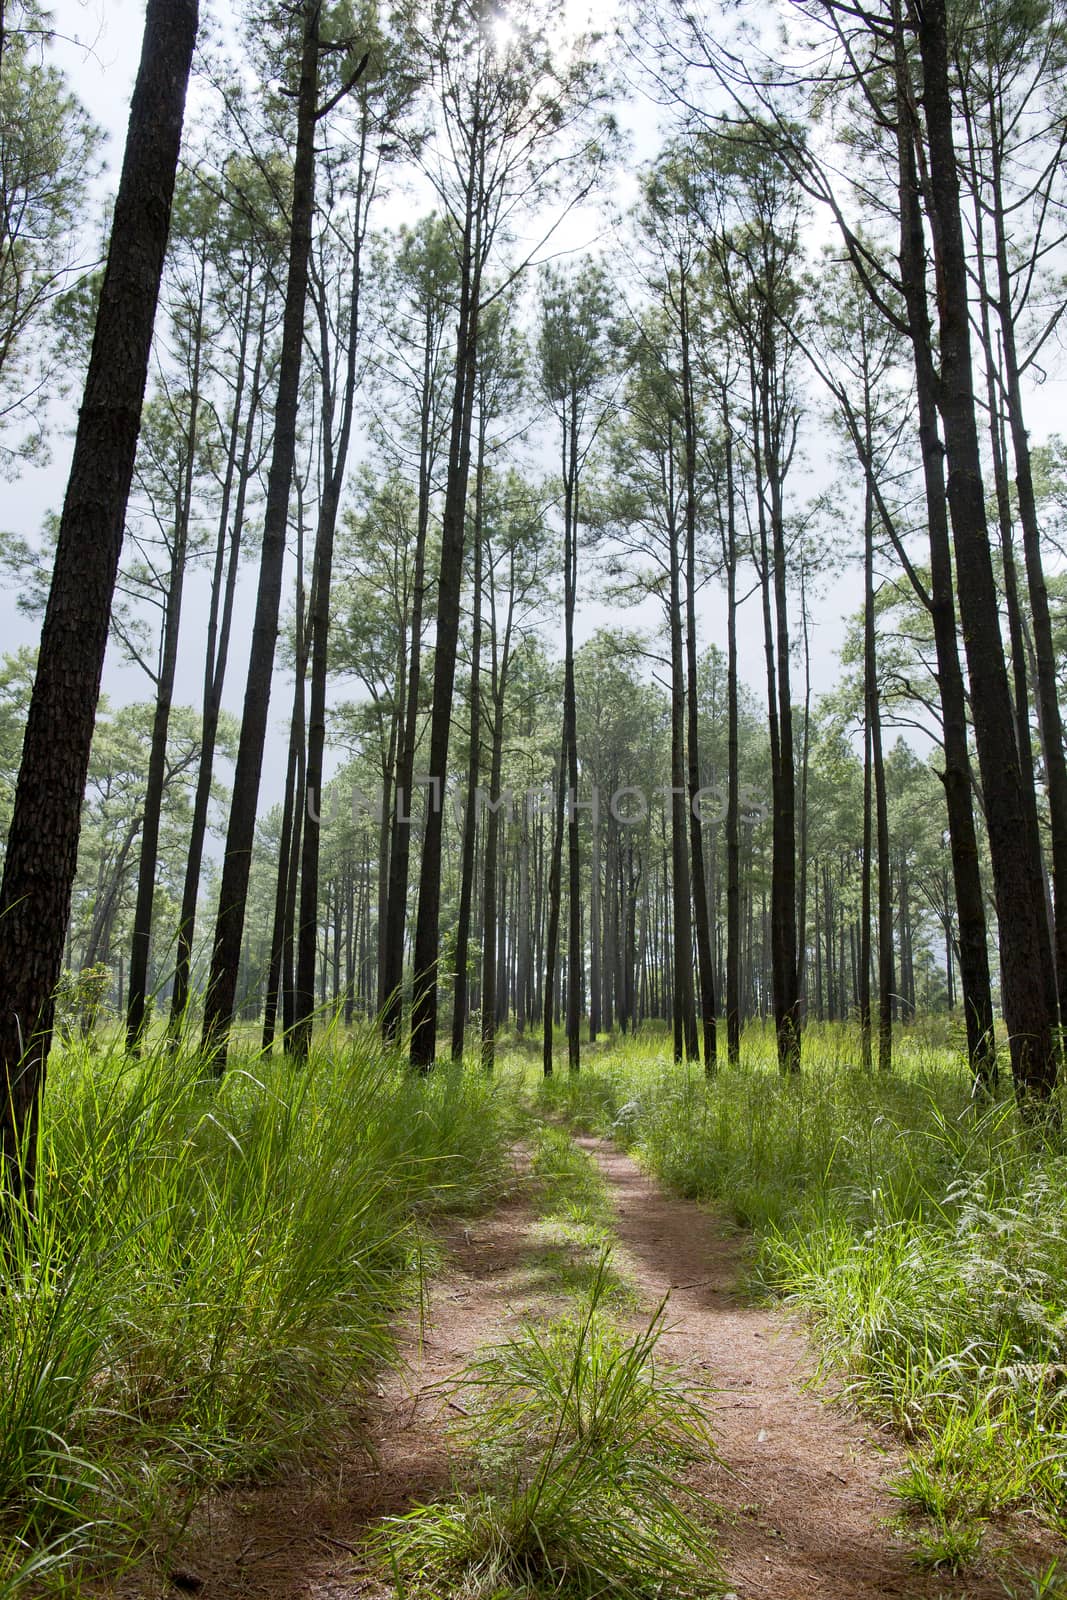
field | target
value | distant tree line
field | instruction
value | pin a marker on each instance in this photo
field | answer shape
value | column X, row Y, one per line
column 431, row 449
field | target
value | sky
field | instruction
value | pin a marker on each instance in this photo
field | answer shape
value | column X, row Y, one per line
column 99, row 50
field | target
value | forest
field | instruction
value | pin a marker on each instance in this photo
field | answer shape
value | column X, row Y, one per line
column 533, row 927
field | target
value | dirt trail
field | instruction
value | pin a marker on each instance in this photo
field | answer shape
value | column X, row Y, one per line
column 301, row 1537
column 802, row 1485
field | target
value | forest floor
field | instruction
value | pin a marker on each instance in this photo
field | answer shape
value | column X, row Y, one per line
column 805, row 1512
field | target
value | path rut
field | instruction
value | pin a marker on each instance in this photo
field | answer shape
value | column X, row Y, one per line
column 801, row 1485
column 803, row 1481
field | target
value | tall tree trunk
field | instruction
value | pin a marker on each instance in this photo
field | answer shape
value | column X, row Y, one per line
column 137, row 1007
column 460, row 1004
column 705, row 968
column 875, row 779
column 294, row 769
column 555, row 886
column 1048, row 701
column 875, row 800
column 108, row 896
column 449, row 587
column 494, row 1000
column 335, row 463
column 595, row 929
column 240, row 835
column 733, row 839
column 287, row 974
column 783, row 870
column 220, row 618
column 490, row 952
column 137, row 1002
column 779, row 979
column 885, row 894
column 1023, row 930
column 575, row 952
column 390, row 996
column 956, row 777
column 863, row 995
column 524, row 953
column 611, row 1004
column 350, row 954
column 42, row 848
column 684, row 1018
column 281, row 883
column 385, row 813
column 1013, row 606
column 805, row 772
column 1020, row 683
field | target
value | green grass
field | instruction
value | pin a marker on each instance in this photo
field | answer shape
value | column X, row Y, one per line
column 580, row 1442
column 1051, row 1584
column 926, row 1237
column 575, row 1230
column 576, row 1440
column 212, row 1274
column 214, row 1271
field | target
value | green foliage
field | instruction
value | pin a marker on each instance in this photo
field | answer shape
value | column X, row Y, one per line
column 48, row 156
column 576, row 336
column 1047, row 1585
column 81, row 999
column 211, row 1270
column 577, row 1218
column 581, row 1441
column 569, row 1181
column 924, row 1234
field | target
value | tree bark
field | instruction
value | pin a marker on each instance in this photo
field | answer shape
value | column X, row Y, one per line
column 137, row 1003
column 294, row 787
column 335, row 463
column 390, row 997
column 555, row 885
column 1048, row 702
column 42, row 849
column 470, row 814
column 450, row 583
column 956, row 777
column 1023, row 931
column 220, row 619
column 733, row 841
column 684, row 1018
column 702, row 920
column 237, row 862
column 575, row 953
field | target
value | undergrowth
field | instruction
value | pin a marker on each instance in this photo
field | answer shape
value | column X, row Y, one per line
column 210, row 1275
column 579, row 1443
column 575, row 1227
column 926, row 1236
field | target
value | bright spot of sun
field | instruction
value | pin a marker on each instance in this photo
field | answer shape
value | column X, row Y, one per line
column 503, row 33
column 575, row 18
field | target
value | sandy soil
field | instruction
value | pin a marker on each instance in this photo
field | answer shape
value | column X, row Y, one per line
column 801, row 1485
column 803, row 1481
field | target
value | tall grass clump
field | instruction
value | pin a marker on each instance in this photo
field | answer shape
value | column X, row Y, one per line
column 580, row 1443
column 925, row 1233
column 211, row 1272
column 570, row 1183
column 575, row 1218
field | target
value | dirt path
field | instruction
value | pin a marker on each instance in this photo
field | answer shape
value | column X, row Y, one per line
column 803, row 1480
column 302, row 1537
column 802, row 1485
